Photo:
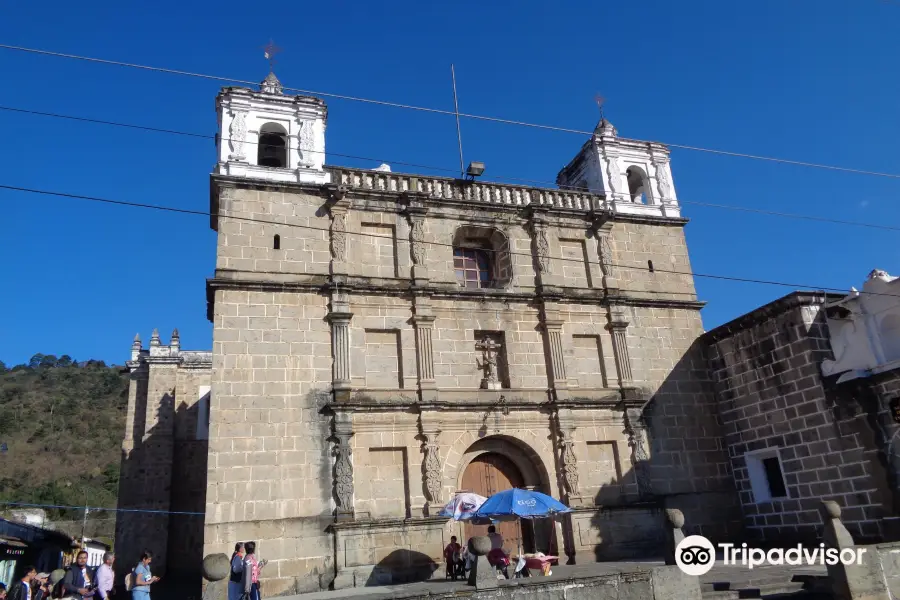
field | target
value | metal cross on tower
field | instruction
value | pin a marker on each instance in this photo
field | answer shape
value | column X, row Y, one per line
column 600, row 100
column 271, row 50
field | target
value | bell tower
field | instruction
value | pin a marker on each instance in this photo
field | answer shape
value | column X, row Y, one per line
column 271, row 136
column 634, row 176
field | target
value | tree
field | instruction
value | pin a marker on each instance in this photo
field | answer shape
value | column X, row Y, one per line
column 35, row 361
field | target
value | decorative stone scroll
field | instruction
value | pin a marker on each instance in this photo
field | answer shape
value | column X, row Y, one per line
column 634, row 428
column 543, row 250
column 569, row 462
column 419, row 248
column 433, row 468
column 306, row 144
column 343, row 475
column 338, row 237
column 238, row 131
column 663, row 183
column 607, row 256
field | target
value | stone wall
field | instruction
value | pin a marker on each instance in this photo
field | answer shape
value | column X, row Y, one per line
column 773, row 399
column 163, row 458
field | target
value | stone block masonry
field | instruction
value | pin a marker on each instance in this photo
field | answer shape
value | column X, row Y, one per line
column 789, row 444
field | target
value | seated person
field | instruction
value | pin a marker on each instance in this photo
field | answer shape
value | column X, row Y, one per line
column 496, row 538
column 453, row 557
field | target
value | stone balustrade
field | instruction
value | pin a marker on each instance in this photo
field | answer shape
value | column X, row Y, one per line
column 446, row 188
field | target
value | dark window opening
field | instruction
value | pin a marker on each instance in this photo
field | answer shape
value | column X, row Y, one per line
column 473, row 267
column 636, row 184
column 272, row 147
column 774, row 477
column 650, row 265
column 277, row 243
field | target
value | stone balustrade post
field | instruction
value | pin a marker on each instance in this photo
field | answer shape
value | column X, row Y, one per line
column 858, row 581
column 674, row 534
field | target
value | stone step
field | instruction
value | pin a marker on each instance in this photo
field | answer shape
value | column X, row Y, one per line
column 766, row 591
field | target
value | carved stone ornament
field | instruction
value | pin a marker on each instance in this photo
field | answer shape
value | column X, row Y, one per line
column 607, row 259
column 419, row 248
column 433, row 471
column 543, row 250
column 343, row 475
column 238, row 132
column 570, row 463
column 662, row 178
column 488, row 364
column 306, row 144
column 639, row 457
column 338, row 237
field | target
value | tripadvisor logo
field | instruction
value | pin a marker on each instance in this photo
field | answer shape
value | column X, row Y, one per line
column 696, row 555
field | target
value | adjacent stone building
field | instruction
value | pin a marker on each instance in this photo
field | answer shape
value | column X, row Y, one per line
column 382, row 341
column 805, row 387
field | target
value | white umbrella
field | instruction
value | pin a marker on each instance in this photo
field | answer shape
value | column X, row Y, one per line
column 463, row 506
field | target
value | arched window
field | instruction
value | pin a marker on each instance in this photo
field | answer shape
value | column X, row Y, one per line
column 637, row 180
column 890, row 337
column 473, row 267
column 272, row 147
column 481, row 257
column 276, row 244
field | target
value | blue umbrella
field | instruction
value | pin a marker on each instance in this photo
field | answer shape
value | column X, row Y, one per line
column 523, row 504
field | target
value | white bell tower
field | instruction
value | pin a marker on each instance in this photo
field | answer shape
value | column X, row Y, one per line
column 270, row 136
column 634, row 176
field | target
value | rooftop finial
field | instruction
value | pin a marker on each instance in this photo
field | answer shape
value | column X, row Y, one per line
column 154, row 337
column 600, row 100
column 604, row 127
column 176, row 340
column 271, row 85
column 137, row 339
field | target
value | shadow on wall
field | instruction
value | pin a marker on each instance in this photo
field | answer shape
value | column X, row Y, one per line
column 686, row 467
column 402, row 566
column 166, row 473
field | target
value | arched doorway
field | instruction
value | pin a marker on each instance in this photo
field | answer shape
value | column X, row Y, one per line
column 486, row 475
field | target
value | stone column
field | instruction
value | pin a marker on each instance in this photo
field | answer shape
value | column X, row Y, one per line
column 337, row 208
column 618, row 326
column 339, row 318
column 343, row 467
column 635, row 428
column 555, row 358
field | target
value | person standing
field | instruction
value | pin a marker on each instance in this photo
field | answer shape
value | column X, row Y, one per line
column 21, row 589
column 252, row 567
column 105, row 576
column 237, row 571
column 79, row 579
column 143, row 579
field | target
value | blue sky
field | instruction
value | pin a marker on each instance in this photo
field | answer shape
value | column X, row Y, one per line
column 812, row 80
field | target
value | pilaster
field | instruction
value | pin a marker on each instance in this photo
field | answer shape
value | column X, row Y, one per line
column 551, row 324
column 423, row 322
column 433, row 469
column 618, row 326
column 540, row 243
column 343, row 466
column 606, row 253
column 339, row 317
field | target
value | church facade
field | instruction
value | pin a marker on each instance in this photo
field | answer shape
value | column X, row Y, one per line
column 382, row 341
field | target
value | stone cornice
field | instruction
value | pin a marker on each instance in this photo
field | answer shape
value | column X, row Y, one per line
column 370, row 286
column 766, row 312
column 387, row 523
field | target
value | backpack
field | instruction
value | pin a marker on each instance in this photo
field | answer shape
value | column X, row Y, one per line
column 129, row 581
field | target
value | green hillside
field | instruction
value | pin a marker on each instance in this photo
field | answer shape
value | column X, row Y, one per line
column 62, row 424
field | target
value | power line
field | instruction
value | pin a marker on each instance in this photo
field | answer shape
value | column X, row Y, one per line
column 433, row 243
column 440, row 111
column 445, row 169
column 98, row 508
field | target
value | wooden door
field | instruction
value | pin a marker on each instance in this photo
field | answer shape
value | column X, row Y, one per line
column 486, row 475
